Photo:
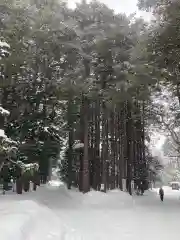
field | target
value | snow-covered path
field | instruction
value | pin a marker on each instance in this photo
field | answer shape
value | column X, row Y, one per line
column 98, row 216
column 117, row 215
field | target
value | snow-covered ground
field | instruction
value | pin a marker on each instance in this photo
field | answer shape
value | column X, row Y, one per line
column 54, row 213
column 168, row 193
column 29, row 220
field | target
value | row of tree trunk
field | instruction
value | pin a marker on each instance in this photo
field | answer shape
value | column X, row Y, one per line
column 113, row 138
column 22, row 182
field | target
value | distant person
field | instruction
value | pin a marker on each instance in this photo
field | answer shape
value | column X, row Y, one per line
column 161, row 194
column 142, row 188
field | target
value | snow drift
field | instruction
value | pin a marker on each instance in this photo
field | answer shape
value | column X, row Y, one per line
column 112, row 199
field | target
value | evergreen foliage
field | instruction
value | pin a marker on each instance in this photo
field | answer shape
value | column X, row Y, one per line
column 85, row 75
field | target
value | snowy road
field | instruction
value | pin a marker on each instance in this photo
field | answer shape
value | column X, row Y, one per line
column 98, row 216
column 117, row 215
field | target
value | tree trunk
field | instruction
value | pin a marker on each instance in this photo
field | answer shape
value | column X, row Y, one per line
column 26, row 185
column 19, row 185
column 113, row 150
column 129, row 125
column 120, row 146
column 104, row 155
column 70, row 139
column 85, row 183
column 97, row 174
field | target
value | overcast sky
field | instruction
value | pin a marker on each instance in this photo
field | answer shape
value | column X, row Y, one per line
column 126, row 6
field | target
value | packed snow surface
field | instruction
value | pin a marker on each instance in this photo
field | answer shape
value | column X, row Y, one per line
column 54, row 213
column 28, row 220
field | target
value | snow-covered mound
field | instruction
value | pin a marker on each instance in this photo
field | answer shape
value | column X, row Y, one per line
column 112, row 199
column 94, row 199
column 98, row 200
column 28, row 220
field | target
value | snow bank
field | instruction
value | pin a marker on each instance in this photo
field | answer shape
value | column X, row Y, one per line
column 28, row 220
column 99, row 200
column 93, row 199
column 111, row 199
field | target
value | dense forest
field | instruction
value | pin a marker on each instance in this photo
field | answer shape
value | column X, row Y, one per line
column 86, row 86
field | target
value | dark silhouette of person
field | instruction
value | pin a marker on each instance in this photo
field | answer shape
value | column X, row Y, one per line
column 161, row 194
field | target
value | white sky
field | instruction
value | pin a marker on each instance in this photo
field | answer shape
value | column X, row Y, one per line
column 125, row 6
column 160, row 141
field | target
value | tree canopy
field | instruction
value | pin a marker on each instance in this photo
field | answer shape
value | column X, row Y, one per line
column 90, row 76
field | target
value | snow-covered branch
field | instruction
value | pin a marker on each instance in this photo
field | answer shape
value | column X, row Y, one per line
column 4, row 44
column 4, row 112
column 4, row 49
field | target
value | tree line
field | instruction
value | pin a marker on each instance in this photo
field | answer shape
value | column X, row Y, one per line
column 84, row 76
